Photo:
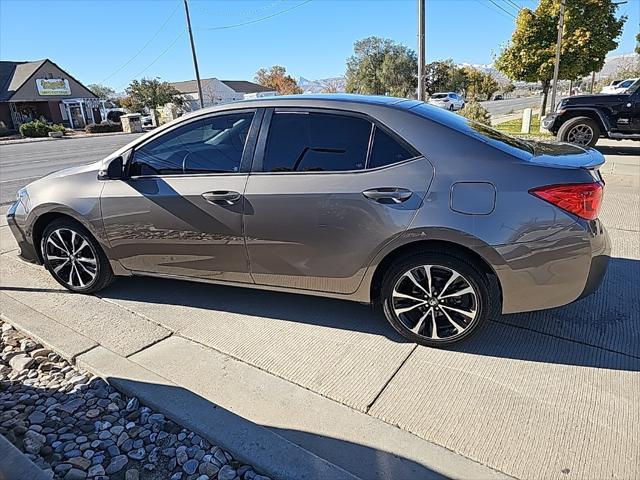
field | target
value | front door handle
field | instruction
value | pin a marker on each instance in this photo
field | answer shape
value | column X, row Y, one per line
column 221, row 197
column 388, row 194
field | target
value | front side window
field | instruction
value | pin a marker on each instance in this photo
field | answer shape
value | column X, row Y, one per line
column 210, row 145
column 316, row 142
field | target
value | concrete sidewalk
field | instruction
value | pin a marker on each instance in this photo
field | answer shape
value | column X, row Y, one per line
column 301, row 386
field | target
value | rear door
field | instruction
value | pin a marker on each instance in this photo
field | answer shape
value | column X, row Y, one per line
column 328, row 189
column 626, row 113
column 179, row 212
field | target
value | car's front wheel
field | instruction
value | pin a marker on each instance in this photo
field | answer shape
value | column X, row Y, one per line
column 437, row 299
column 582, row 131
column 74, row 258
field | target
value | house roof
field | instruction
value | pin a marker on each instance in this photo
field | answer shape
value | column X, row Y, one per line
column 240, row 86
column 245, row 86
column 190, row 86
column 14, row 74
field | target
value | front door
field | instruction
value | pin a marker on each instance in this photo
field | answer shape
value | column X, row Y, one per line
column 330, row 189
column 627, row 113
column 180, row 210
column 76, row 116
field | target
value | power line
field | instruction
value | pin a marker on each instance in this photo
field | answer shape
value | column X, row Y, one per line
column 157, row 58
column 484, row 4
column 515, row 5
column 503, row 9
column 145, row 45
column 250, row 22
column 243, row 13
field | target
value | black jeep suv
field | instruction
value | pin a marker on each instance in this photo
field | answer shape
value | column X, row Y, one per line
column 582, row 119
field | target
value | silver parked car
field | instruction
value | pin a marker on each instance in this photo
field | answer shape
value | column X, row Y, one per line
column 447, row 100
column 441, row 221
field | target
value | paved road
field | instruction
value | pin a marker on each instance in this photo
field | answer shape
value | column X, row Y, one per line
column 22, row 163
column 504, row 107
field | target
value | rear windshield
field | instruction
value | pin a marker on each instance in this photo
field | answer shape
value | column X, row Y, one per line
column 470, row 127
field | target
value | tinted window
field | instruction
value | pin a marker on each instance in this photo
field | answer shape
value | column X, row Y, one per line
column 211, row 145
column 300, row 142
column 386, row 150
column 438, row 95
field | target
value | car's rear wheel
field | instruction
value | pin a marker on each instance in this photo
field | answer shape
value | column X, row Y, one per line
column 451, row 107
column 582, row 131
column 74, row 258
column 437, row 299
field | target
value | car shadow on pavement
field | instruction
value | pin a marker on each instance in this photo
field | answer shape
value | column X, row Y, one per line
column 601, row 330
column 618, row 150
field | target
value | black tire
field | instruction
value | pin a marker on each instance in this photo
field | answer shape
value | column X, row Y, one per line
column 103, row 273
column 451, row 108
column 486, row 296
column 568, row 131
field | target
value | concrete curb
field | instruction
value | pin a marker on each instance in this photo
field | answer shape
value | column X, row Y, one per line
column 16, row 465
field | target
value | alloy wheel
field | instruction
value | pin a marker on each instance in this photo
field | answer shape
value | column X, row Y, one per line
column 581, row 134
column 435, row 302
column 71, row 258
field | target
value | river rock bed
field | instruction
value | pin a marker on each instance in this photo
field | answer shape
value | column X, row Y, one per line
column 75, row 426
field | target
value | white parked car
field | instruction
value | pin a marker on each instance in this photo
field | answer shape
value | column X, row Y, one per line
column 449, row 100
column 619, row 86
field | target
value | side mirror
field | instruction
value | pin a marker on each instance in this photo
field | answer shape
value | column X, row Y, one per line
column 114, row 170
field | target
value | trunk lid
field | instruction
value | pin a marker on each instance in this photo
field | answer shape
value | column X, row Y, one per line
column 565, row 155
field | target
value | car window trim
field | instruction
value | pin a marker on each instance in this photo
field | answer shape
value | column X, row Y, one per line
column 258, row 159
column 247, row 153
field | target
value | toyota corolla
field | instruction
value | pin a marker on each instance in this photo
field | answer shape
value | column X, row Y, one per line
column 441, row 221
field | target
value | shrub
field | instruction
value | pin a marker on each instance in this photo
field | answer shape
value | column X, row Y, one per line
column 474, row 111
column 58, row 127
column 35, row 128
column 103, row 127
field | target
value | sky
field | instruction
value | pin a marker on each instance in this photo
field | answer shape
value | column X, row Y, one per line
column 113, row 42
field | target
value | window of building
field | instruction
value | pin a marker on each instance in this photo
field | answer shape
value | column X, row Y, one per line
column 210, row 145
column 316, row 142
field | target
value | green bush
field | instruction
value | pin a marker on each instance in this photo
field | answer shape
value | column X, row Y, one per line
column 103, row 127
column 474, row 111
column 38, row 128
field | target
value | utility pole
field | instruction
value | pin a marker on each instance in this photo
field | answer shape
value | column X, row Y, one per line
column 421, row 55
column 556, row 67
column 193, row 51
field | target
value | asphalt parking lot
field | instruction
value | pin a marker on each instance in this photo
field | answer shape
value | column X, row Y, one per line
column 550, row 394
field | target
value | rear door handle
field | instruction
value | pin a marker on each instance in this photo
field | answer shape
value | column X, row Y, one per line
column 221, row 197
column 388, row 194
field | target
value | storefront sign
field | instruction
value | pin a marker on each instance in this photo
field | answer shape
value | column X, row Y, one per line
column 53, row 86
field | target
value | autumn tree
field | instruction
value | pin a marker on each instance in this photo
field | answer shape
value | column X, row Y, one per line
column 277, row 79
column 478, row 84
column 150, row 93
column 380, row 66
column 590, row 32
column 443, row 76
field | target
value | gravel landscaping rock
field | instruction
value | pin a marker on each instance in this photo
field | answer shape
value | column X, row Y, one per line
column 75, row 426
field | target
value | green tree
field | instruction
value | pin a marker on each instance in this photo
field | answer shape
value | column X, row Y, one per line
column 444, row 76
column 102, row 91
column 479, row 84
column 150, row 93
column 277, row 79
column 380, row 66
column 590, row 32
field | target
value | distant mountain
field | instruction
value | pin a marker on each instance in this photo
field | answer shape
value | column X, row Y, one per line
column 611, row 67
column 336, row 84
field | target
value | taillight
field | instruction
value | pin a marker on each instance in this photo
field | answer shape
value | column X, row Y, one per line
column 581, row 199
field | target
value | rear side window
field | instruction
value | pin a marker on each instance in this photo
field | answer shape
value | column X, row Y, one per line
column 386, row 150
column 211, row 145
column 316, row 142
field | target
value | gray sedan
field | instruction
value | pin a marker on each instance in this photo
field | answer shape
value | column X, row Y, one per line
column 441, row 221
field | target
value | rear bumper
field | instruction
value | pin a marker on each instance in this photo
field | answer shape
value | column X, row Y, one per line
column 556, row 271
column 601, row 251
column 549, row 122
